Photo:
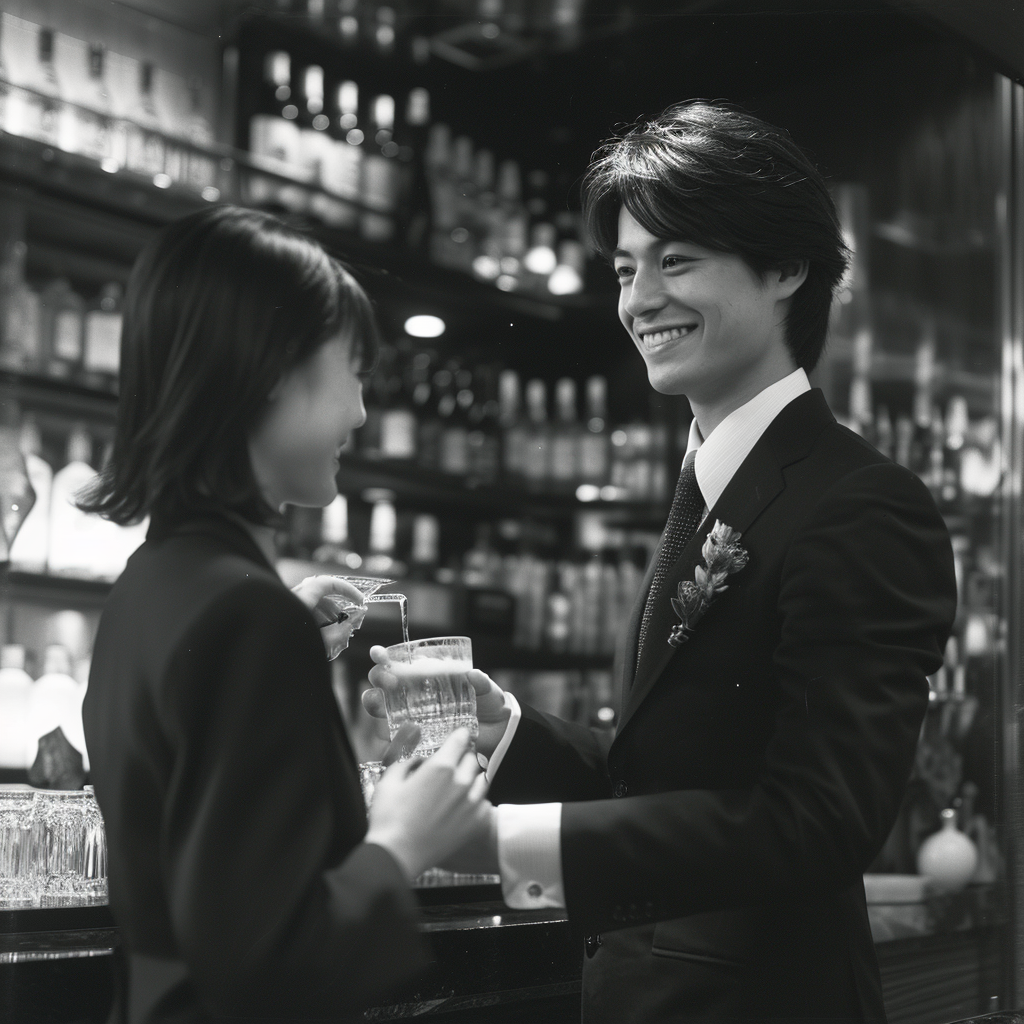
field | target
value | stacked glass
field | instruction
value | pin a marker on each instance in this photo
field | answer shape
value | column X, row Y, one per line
column 53, row 850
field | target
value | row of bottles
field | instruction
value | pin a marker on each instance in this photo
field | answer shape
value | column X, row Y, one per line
column 484, row 426
column 573, row 695
column 31, row 709
column 395, row 175
column 81, row 97
column 56, row 537
column 54, row 330
column 566, row 605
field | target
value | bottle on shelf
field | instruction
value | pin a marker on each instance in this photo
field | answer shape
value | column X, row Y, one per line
column 314, row 141
column 72, row 547
column 514, row 225
column 342, row 159
column 594, row 440
column 273, row 132
column 438, row 160
column 398, row 417
column 17, row 497
column 380, row 558
column 412, row 135
column 101, row 357
column 19, row 309
column 30, row 548
column 537, row 449
column 565, row 436
column 514, row 430
column 62, row 323
column 15, row 698
column 424, row 558
column 453, row 410
column 334, row 545
column 35, row 114
column 381, row 181
column 484, row 437
column 56, row 702
column 144, row 147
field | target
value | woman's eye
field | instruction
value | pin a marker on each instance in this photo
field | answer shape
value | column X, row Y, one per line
column 674, row 261
column 623, row 271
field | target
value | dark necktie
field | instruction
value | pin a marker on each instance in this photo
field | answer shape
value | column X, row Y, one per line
column 684, row 517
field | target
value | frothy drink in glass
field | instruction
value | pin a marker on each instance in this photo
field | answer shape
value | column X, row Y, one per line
column 428, row 685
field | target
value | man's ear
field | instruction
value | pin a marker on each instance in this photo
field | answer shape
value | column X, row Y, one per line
column 790, row 276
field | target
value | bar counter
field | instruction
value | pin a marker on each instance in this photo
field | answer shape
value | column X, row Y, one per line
column 494, row 965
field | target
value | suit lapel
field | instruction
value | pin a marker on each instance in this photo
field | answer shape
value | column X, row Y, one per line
column 753, row 487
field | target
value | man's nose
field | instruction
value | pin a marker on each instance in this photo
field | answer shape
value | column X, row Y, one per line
column 646, row 294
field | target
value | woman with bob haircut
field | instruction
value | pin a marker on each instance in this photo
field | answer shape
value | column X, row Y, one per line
column 243, row 873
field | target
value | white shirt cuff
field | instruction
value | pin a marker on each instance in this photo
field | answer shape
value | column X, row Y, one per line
column 530, row 855
column 510, row 730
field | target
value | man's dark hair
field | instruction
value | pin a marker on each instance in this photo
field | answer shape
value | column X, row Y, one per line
column 219, row 305
column 708, row 173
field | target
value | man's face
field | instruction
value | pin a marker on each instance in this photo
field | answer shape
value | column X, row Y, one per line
column 704, row 322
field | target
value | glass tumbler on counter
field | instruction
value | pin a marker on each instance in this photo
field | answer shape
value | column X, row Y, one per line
column 73, row 854
column 19, row 848
column 427, row 683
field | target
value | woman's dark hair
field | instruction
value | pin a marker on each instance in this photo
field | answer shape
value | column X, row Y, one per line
column 219, row 305
column 710, row 174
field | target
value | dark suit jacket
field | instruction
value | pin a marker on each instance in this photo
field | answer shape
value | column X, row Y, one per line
column 718, row 845
column 231, row 796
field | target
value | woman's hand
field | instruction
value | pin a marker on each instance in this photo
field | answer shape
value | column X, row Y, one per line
column 337, row 606
column 423, row 811
column 491, row 712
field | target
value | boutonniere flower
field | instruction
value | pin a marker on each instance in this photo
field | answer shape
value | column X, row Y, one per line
column 723, row 555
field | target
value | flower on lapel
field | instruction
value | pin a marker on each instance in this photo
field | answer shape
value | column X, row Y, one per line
column 723, row 555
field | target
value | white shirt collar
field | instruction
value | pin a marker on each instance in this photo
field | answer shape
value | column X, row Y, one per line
column 720, row 454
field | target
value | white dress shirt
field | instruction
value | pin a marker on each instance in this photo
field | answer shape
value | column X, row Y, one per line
column 529, row 835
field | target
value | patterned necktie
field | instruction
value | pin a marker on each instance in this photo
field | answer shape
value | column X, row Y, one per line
column 684, row 517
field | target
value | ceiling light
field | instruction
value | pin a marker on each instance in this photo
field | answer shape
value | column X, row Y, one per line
column 424, row 326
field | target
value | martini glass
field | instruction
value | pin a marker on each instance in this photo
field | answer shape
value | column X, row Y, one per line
column 368, row 587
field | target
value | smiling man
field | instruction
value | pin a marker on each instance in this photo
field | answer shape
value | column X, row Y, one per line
column 773, row 673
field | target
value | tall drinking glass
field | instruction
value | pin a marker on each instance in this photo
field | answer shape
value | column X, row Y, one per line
column 19, row 848
column 427, row 683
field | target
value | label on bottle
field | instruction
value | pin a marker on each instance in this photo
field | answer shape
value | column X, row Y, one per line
column 67, row 335
column 454, row 450
column 102, row 341
column 398, row 434
column 594, row 457
column 276, row 140
column 563, row 456
column 380, row 183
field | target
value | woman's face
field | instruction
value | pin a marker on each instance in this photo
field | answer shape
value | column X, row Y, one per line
column 312, row 410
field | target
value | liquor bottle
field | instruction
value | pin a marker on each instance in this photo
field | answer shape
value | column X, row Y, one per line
column 19, row 310
column 486, row 227
column 62, row 316
column 30, row 547
column 567, row 277
column 92, row 117
column 443, row 196
column 380, row 559
column 594, row 440
column 144, row 148
column 537, row 449
column 558, row 618
column 484, row 437
column 956, row 427
column 412, row 137
column 884, row 433
column 398, row 420
column 424, row 558
column 314, row 142
column 420, row 373
column 273, row 133
column 15, row 698
column 565, row 435
column 455, row 425
column 481, row 564
column 342, row 162
column 102, row 350
column 72, row 546
column 39, row 114
column 515, row 225
column 462, row 247
column 55, row 701
column 334, row 547
column 436, row 406
column 381, row 181
column 513, row 428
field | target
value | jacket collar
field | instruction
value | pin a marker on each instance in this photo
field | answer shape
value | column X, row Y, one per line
column 218, row 525
column 756, row 483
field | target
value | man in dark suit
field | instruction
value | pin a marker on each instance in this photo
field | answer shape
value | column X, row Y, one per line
column 773, row 677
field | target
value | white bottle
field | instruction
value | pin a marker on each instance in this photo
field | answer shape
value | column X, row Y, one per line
column 15, row 694
column 29, row 551
column 73, row 533
column 56, row 700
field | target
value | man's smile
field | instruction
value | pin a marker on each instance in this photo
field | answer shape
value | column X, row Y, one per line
column 653, row 339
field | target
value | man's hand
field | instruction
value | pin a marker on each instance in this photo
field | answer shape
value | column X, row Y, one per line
column 337, row 607
column 491, row 712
